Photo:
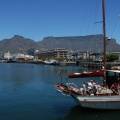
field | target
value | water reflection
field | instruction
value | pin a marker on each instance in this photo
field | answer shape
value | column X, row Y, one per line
column 29, row 89
column 77, row 113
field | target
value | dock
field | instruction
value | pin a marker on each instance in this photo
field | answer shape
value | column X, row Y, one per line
column 97, row 65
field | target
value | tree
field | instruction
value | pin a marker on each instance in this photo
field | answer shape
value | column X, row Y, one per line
column 112, row 57
column 31, row 51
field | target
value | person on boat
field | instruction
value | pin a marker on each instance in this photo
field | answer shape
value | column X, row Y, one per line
column 94, row 88
column 114, row 87
column 91, row 86
column 84, row 89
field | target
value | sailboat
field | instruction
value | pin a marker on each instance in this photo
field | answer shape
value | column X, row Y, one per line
column 105, row 96
column 95, row 73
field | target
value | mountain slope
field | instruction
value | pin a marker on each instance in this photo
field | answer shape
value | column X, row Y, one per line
column 82, row 43
column 17, row 44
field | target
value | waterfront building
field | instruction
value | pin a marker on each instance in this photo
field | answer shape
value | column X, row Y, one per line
column 23, row 57
column 60, row 52
column 83, row 55
column 96, row 57
column 53, row 53
column 8, row 55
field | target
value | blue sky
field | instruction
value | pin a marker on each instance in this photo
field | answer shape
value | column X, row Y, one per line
column 36, row 19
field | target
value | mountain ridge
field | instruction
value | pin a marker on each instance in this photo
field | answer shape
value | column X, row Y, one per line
column 82, row 43
column 93, row 43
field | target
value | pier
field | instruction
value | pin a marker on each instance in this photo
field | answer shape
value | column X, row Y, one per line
column 97, row 64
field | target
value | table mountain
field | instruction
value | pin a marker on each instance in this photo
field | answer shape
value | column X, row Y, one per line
column 82, row 43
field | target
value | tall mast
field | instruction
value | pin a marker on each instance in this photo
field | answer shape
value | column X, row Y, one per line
column 104, row 35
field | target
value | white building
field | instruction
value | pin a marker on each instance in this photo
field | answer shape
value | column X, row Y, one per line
column 24, row 56
column 8, row 55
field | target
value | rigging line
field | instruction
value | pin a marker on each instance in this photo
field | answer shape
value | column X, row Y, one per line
column 98, row 22
column 96, row 10
column 88, row 25
column 116, row 27
column 112, row 29
column 97, row 15
column 110, row 9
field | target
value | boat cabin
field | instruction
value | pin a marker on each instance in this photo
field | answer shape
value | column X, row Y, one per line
column 112, row 76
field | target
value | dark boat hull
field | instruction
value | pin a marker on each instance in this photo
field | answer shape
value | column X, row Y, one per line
column 97, row 73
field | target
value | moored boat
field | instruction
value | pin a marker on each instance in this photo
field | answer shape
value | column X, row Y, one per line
column 98, row 96
column 51, row 62
column 98, row 102
column 96, row 73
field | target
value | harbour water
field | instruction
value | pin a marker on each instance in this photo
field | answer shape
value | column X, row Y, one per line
column 27, row 92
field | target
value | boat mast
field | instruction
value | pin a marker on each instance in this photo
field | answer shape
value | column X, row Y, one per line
column 104, row 36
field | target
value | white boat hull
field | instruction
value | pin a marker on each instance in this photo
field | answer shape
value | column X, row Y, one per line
column 98, row 102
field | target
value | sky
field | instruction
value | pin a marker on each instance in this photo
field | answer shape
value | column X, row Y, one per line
column 37, row 19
